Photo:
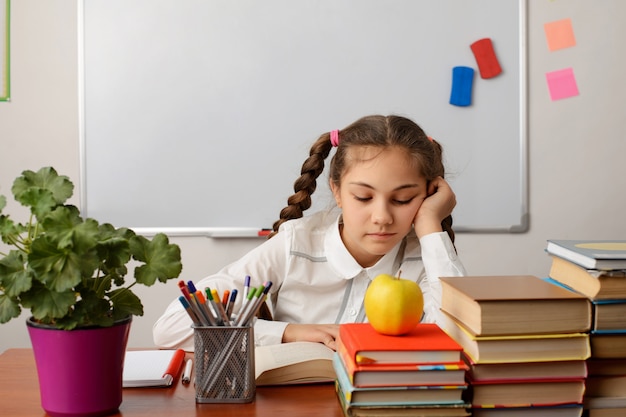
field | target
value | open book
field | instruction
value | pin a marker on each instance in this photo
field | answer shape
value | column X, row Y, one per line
column 293, row 363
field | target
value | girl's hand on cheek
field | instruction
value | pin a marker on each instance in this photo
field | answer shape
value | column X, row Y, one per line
column 436, row 207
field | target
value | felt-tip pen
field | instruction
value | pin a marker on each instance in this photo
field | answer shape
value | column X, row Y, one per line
column 189, row 310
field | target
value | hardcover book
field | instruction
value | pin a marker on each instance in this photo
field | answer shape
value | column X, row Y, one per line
column 592, row 283
column 590, row 254
column 518, row 348
column 528, row 393
column 568, row 410
column 606, row 386
column 608, row 345
column 519, row 371
column 606, row 367
column 402, row 410
column 395, row 395
column 377, row 375
column 609, row 316
column 516, row 304
column 427, row 343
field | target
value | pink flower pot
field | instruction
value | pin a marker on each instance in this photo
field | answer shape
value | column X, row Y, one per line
column 80, row 371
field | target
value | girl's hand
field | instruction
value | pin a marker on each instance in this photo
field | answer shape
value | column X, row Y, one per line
column 436, row 207
column 321, row 333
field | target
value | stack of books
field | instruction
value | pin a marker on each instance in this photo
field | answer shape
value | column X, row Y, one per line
column 525, row 342
column 420, row 373
column 597, row 270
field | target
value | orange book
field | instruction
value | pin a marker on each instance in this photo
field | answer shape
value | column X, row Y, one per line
column 380, row 375
column 427, row 343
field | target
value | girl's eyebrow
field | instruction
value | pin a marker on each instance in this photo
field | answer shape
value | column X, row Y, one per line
column 401, row 187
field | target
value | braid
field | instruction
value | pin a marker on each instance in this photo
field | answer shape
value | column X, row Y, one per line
column 446, row 225
column 306, row 183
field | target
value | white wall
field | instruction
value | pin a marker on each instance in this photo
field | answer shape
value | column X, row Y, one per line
column 576, row 146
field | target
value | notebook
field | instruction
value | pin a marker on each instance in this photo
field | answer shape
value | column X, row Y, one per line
column 151, row 368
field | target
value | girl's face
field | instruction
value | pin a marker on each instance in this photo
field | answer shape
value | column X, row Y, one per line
column 379, row 195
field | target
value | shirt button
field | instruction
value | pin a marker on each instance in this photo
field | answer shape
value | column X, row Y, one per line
column 352, row 312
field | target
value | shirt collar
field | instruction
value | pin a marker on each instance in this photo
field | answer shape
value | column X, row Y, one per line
column 345, row 265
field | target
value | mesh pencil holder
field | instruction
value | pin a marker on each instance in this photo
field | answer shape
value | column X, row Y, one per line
column 224, row 364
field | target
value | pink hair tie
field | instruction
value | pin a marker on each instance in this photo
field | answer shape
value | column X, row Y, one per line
column 334, row 138
column 430, row 138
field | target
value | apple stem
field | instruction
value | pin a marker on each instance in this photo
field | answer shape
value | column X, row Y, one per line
column 399, row 274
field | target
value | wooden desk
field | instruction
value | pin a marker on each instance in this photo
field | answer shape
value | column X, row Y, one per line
column 19, row 397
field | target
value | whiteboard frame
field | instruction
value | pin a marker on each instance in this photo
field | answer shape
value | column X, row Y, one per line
column 5, row 50
column 226, row 232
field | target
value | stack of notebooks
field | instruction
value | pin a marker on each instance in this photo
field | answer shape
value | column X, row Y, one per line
column 525, row 342
column 597, row 270
column 417, row 374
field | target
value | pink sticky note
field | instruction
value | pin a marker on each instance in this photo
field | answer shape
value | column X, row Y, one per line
column 562, row 84
column 559, row 34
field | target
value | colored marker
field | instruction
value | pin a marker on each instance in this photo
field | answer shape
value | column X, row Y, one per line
column 205, row 308
column 189, row 310
column 220, row 308
column 248, row 311
column 246, row 287
column 231, row 303
column 193, row 302
column 225, row 298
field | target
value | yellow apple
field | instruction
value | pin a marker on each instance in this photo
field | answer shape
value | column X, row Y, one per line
column 393, row 305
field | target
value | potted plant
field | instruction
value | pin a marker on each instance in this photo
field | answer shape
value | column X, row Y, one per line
column 71, row 273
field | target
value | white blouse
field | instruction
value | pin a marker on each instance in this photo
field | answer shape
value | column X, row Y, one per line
column 316, row 280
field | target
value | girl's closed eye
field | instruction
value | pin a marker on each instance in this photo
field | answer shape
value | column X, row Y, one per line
column 396, row 201
column 362, row 199
column 403, row 202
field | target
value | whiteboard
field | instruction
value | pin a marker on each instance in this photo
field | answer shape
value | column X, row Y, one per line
column 199, row 113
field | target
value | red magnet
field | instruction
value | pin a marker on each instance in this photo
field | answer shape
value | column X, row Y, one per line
column 488, row 64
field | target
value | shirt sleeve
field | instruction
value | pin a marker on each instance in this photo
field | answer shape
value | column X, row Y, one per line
column 265, row 262
column 440, row 260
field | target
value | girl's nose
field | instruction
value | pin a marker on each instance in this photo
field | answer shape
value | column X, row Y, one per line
column 382, row 214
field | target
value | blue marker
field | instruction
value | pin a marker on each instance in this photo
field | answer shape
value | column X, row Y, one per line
column 231, row 303
column 190, row 311
column 246, row 287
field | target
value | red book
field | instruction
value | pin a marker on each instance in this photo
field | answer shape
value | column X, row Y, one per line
column 426, row 344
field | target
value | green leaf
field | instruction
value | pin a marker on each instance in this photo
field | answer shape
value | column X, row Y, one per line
column 9, row 230
column 39, row 200
column 47, row 179
column 162, row 259
column 59, row 269
column 114, row 251
column 3, row 202
column 15, row 277
column 67, row 229
column 93, row 310
column 98, row 286
column 9, row 308
column 125, row 303
column 46, row 303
